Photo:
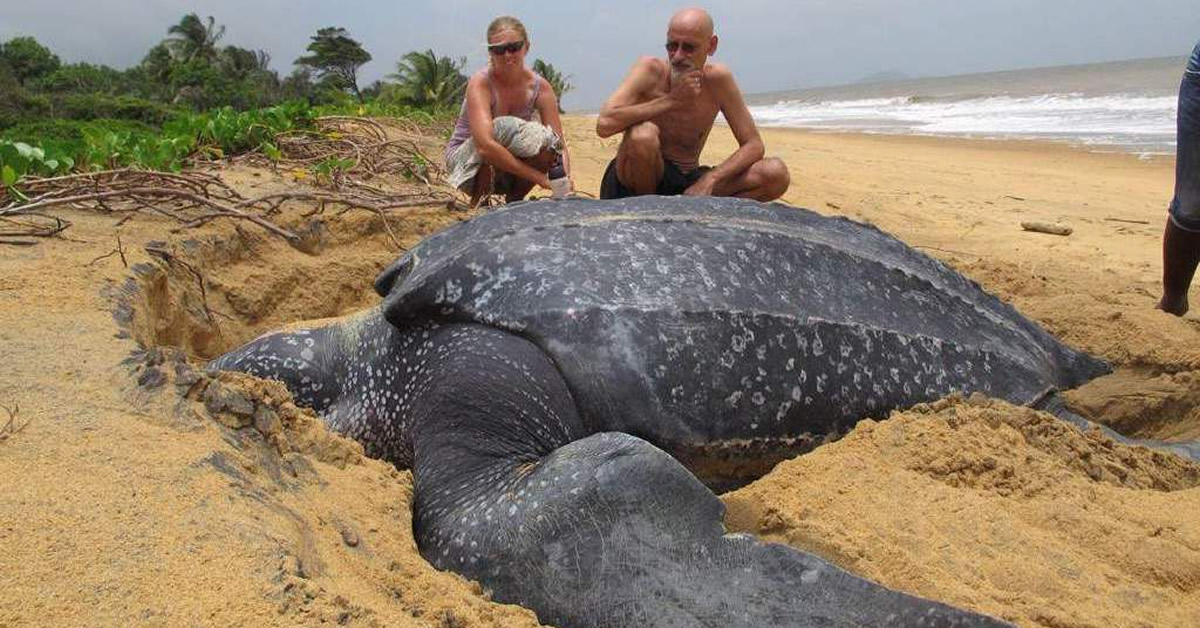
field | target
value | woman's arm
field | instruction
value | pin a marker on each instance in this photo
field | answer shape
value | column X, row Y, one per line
column 547, row 106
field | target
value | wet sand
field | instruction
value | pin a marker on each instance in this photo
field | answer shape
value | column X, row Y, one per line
column 149, row 503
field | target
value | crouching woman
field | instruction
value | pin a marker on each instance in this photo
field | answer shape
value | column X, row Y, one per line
column 508, row 134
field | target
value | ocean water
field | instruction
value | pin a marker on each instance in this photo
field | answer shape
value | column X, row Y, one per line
column 1126, row 106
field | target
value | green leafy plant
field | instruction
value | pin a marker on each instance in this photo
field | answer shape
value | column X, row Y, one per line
column 19, row 160
column 426, row 80
column 332, row 170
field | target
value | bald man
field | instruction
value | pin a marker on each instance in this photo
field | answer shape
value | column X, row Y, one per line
column 666, row 108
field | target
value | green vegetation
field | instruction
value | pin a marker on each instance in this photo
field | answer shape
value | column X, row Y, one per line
column 191, row 40
column 423, row 79
column 192, row 98
column 27, row 59
column 558, row 82
column 336, row 58
column 62, row 145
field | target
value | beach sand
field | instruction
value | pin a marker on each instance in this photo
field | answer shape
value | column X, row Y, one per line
column 135, row 493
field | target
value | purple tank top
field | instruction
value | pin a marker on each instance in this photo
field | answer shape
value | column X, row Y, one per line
column 462, row 126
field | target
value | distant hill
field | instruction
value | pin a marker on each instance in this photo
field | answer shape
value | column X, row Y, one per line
column 886, row 76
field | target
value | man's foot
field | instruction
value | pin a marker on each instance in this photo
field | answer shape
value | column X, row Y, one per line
column 1176, row 306
column 1181, row 253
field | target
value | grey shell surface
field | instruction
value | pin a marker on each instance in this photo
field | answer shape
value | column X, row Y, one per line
column 693, row 320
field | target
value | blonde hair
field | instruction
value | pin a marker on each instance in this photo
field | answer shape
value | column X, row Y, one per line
column 507, row 22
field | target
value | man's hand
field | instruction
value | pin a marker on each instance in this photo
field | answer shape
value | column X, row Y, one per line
column 686, row 87
column 702, row 187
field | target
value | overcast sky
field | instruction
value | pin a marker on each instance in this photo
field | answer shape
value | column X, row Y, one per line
column 770, row 44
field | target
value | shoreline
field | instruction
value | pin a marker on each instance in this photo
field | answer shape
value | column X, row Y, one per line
column 1002, row 143
column 1020, row 141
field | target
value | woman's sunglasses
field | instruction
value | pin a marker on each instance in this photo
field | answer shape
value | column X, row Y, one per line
column 509, row 48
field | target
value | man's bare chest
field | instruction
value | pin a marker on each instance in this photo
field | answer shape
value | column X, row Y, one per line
column 687, row 126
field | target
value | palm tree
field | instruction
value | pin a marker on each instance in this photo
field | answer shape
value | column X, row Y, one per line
column 240, row 62
column 427, row 80
column 157, row 64
column 192, row 39
column 557, row 81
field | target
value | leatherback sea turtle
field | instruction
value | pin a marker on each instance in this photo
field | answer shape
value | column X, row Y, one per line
column 533, row 365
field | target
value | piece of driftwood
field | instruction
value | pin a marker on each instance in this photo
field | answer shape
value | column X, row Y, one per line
column 1128, row 220
column 1047, row 227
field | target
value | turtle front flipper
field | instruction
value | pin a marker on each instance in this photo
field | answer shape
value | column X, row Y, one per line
column 303, row 359
column 602, row 530
column 351, row 370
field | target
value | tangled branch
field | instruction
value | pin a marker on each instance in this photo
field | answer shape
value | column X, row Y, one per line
column 371, row 149
column 344, row 153
column 193, row 199
column 11, row 426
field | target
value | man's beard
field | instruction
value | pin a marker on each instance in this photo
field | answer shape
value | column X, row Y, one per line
column 679, row 71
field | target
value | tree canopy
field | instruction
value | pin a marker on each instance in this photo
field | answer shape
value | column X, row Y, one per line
column 191, row 39
column 190, row 70
column 558, row 82
column 27, row 59
column 427, row 80
column 335, row 54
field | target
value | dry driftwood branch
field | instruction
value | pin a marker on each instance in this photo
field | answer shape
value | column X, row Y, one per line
column 120, row 250
column 1128, row 220
column 941, row 250
column 1046, row 227
column 353, row 124
column 11, row 426
column 375, row 150
column 221, row 208
column 43, row 188
column 32, row 224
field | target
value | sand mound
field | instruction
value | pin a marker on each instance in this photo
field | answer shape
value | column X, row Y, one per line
column 998, row 508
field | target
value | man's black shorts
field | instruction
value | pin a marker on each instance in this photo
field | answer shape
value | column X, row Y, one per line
column 674, row 181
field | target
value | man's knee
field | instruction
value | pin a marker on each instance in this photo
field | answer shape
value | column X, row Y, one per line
column 776, row 177
column 642, row 138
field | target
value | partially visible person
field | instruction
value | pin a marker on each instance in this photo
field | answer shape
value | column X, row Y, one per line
column 508, row 133
column 666, row 110
column 1181, row 241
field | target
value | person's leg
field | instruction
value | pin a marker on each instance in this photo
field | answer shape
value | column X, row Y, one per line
column 639, row 159
column 765, row 180
column 482, row 186
column 1181, row 240
column 1181, row 254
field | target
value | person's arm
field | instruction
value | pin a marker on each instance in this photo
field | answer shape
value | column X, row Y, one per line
column 479, row 115
column 741, row 123
column 547, row 106
column 628, row 105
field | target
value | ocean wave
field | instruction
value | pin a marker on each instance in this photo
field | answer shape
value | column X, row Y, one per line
column 1138, row 122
